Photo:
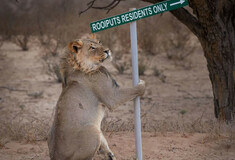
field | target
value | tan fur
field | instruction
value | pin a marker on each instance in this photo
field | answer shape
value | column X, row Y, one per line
column 87, row 89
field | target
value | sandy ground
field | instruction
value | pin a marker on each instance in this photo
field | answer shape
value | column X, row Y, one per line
column 176, row 110
column 167, row 146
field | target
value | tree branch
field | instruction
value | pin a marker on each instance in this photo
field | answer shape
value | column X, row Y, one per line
column 109, row 7
column 188, row 20
column 105, row 6
column 184, row 17
column 90, row 5
column 113, row 6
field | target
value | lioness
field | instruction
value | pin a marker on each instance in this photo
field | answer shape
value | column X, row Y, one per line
column 88, row 88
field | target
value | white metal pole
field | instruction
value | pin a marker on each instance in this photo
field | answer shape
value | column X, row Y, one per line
column 135, row 77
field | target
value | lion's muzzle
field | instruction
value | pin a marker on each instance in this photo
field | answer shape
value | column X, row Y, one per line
column 108, row 54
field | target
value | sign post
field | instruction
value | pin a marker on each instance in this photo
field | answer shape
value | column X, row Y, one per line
column 135, row 77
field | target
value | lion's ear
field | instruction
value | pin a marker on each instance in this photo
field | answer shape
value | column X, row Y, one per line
column 92, row 36
column 75, row 46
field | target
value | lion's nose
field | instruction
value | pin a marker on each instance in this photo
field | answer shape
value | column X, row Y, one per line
column 107, row 53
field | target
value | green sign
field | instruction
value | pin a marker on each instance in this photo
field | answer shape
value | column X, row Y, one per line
column 137, row 14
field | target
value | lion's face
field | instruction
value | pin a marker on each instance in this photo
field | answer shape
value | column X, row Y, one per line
column 88, row 53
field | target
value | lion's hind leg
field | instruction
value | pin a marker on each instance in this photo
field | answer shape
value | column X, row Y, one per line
column 88, row 142
column 104, row 148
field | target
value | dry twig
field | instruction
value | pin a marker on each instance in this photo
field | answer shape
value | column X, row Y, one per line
column 108, row 7
column 13, row 89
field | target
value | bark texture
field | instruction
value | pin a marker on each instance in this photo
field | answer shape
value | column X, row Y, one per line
column 213, row 22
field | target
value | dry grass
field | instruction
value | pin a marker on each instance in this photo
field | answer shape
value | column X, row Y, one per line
column 156, row 71
column 22, row 41
column 148, row 39
column 53, row 69
column 177, row 44
column 22, row 127
column 221, row 132
column 120, row 66
column 51, row 56
column 36, row 130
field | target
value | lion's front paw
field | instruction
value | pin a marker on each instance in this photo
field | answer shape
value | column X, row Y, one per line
column 142, row 82
column 141, row 86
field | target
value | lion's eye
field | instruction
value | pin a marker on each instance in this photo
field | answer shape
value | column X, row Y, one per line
column 92, row 48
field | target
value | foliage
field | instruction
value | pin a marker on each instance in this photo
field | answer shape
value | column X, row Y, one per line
column 120, row 66
column 178, row 44
column 142, row 68
column 182, row 112
column 156, row 71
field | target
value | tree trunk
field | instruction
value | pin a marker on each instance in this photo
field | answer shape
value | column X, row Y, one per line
column 219, row 53
column 217, row 20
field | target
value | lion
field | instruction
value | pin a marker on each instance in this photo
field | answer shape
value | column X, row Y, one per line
column 87, row 89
